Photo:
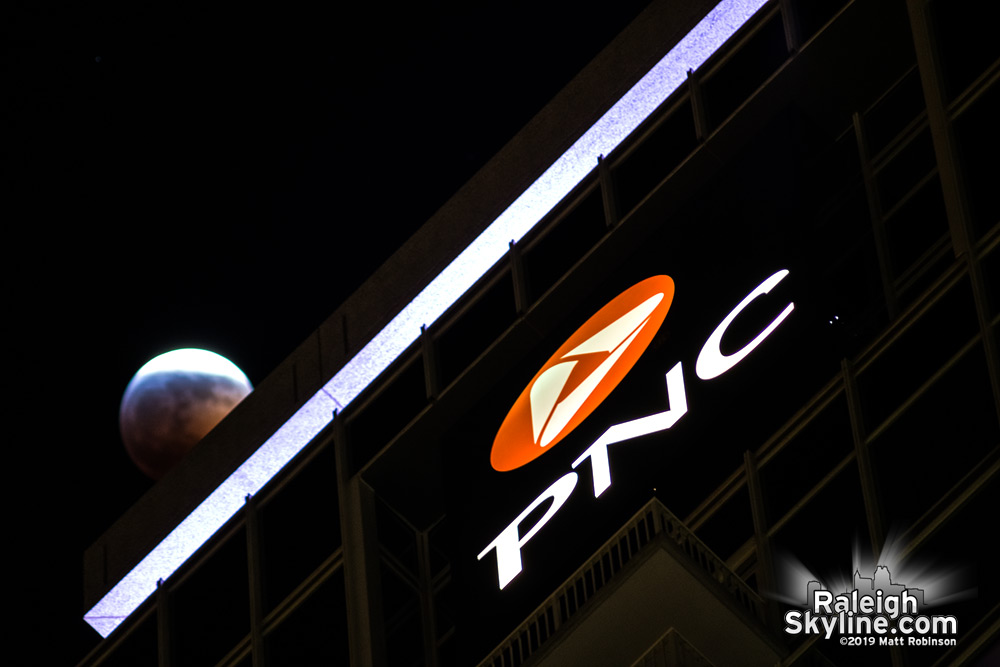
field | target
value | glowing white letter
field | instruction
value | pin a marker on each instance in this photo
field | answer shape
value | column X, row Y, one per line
column 661, row 421
column 711, row 362
column 508, row 544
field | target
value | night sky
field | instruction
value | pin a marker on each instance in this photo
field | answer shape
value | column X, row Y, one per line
column 177, row 178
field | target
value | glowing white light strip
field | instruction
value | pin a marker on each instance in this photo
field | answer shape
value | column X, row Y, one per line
column 519, row 218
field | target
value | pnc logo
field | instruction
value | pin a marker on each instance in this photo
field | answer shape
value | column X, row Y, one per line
column 581, row 373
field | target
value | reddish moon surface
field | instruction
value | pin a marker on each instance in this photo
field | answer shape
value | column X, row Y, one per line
column 172, row 402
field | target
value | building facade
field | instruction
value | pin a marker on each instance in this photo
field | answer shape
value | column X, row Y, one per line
column 841, row 150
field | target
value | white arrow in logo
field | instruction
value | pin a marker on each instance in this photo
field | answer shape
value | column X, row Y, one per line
column 549, row 414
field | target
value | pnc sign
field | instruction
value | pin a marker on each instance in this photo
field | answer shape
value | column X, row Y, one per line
column 580, row 375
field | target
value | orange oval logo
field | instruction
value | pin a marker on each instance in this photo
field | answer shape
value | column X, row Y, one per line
column 581, row 374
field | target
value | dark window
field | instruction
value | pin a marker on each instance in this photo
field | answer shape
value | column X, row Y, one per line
column 745, row 70
column 652, row 160
column 891, row 114
column 300, row 527
column 910, row 360
column 488, row 316
column 813, row 14
column 967, row 41
column 400, row 400
column 403, row 629
column 138, row 648
column 316, row 631
column 937, row 440
column 730, row 526
column 905, row 169
column 976, row 133
column 211, row 609
column 806, row 459
column 564, row 242
column 916, row 225
column 822, row 533
column 397, row 538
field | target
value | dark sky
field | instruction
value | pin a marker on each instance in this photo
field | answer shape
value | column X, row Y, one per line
column 188, row 176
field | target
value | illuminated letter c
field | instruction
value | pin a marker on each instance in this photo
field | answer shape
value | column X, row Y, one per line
column 711, row 362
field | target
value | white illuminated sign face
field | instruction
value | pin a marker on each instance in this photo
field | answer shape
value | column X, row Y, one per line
column 551, row 406
column 711, row 364
column 443, row 291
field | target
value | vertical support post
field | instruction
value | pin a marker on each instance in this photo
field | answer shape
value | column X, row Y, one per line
column 790, row 20
column 432, row 384
column 609, row 193
column 955, row 201
column 519, row 276
column 931, row 80
column 698, row 107
column 254, row 565
column 875, row 213
column 426, row 598
column 765, row 561
column 869, row 487
column 366, row 636
column 164, row 626
column 873, row 508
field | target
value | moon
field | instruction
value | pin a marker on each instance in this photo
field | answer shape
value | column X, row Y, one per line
column 173, row 401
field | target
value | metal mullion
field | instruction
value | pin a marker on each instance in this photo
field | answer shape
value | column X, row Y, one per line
column 910, row 316
column 765, row 562
column 699, row 109
column 869, row 484
column 256, row 582
column 740, row 39
column 237, row 653
column 936, row 252
column 722, row 494
column 398, row 568
column 428, row 354
column 801, row 419
column 922, row 389
column 307, row 587
column 900, row 142
column 921, row 182
column 649, row 126
column 876, row 217
column 426, row 592
column 953, row 500
column 164, row 625
column 942, row 133
column 980, row 85
column 519, row 277
column 956, row 202
column 609, row 193
column 770, row 449
column 793, row 30
column 810, row 494
column 366, row 633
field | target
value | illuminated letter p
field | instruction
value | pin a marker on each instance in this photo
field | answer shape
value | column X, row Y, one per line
column 508, row 544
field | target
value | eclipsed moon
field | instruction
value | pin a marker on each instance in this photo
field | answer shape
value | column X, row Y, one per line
column 173, row 401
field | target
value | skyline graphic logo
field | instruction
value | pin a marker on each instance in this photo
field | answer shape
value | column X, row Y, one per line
column 582, row 373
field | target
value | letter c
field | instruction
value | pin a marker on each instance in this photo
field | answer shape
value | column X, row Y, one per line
column 711, row 362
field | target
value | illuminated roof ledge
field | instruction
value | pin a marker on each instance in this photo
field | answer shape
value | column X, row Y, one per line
column 301, row 377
